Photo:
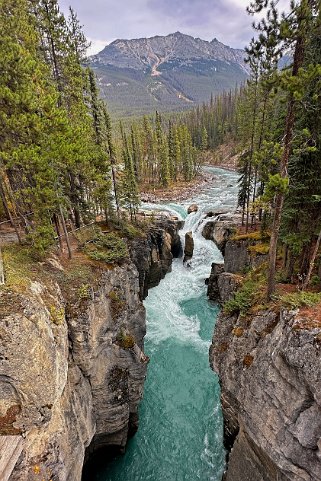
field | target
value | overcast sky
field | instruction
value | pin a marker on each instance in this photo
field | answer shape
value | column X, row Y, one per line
column 107, row 20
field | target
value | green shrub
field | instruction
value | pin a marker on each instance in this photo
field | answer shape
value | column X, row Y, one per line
column 242, row 300
column 41, row 239
column 130, row 231
column 57, row 315
column 250, row 294
column 315, row 280
column 84, row 291
column 295, row 300
column 108, row 248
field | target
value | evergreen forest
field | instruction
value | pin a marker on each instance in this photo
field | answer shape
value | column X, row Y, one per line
column 64, row 164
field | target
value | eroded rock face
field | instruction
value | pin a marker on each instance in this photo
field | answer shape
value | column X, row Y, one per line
column 220, row 229
column 69, row 374
column 212, row 283
column 153, row 256
column 72, row 365
column 270, row 375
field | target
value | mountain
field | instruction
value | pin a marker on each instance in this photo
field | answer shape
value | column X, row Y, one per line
column 167, row 73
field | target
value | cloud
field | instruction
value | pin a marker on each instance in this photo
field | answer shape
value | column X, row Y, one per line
column 106, row 20
column 97, row 45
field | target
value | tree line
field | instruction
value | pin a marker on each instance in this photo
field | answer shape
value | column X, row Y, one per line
column 279, row 131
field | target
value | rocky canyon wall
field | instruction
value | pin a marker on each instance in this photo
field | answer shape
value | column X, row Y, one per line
column 269, row 368
column 72, row 365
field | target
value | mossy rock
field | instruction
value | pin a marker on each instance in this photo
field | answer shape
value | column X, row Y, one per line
column 259, row 249
column 248, row 360
column 125, row 340
column 116, row 304
column 238, row 331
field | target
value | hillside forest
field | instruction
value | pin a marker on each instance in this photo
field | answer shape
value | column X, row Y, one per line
column 64, row 164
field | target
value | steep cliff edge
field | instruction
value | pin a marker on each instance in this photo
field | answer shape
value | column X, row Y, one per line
column 72, row 365
column 269, row 368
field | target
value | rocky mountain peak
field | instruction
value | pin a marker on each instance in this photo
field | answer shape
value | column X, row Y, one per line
column 165, row 72
column 138, row 53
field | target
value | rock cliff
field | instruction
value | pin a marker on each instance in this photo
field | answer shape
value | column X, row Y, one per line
column 72, row 365
column 270, row 375
column 153, row 256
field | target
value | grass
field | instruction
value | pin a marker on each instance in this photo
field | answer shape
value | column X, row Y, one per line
column 254, row 236
column 19, row 266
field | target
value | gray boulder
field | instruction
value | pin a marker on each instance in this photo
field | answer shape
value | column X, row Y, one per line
column 192, row 208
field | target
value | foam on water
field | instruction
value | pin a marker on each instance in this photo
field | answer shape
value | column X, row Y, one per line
column 180, row 434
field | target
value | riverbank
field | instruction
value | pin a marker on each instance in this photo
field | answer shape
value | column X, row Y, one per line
column 176, row 192
column 182, row 191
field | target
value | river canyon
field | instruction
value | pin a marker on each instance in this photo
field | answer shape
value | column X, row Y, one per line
column 181, row 429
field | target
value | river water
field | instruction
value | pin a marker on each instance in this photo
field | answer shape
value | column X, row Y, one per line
column 180, row 433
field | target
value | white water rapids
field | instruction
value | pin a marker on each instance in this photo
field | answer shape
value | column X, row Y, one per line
column 180, row 435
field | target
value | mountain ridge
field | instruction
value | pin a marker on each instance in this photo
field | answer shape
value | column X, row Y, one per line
column 165, row 72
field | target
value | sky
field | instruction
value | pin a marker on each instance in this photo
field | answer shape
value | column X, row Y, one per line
column 108, row 20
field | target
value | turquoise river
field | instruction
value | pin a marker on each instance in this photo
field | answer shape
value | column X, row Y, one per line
column 180, row 433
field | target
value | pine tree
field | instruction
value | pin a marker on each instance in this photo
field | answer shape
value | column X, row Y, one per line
column 130, row 193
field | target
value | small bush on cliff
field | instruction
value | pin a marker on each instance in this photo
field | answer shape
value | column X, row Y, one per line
column 107, row 248
column 84, row 292
column 295, row 300
column 57, row 315
column 125, row 340
column 131, row 231
column 243, row 299
column 250, row 294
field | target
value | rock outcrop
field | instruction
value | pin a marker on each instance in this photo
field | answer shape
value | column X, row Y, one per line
column 221, row 284
column 270, row 375
column 269, row 369
column 189, row 247
column 192, row 208
column 72, row 365
column 220, row 229
column 153, row 256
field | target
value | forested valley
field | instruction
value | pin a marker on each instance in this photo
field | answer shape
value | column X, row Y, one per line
column 64, row 164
